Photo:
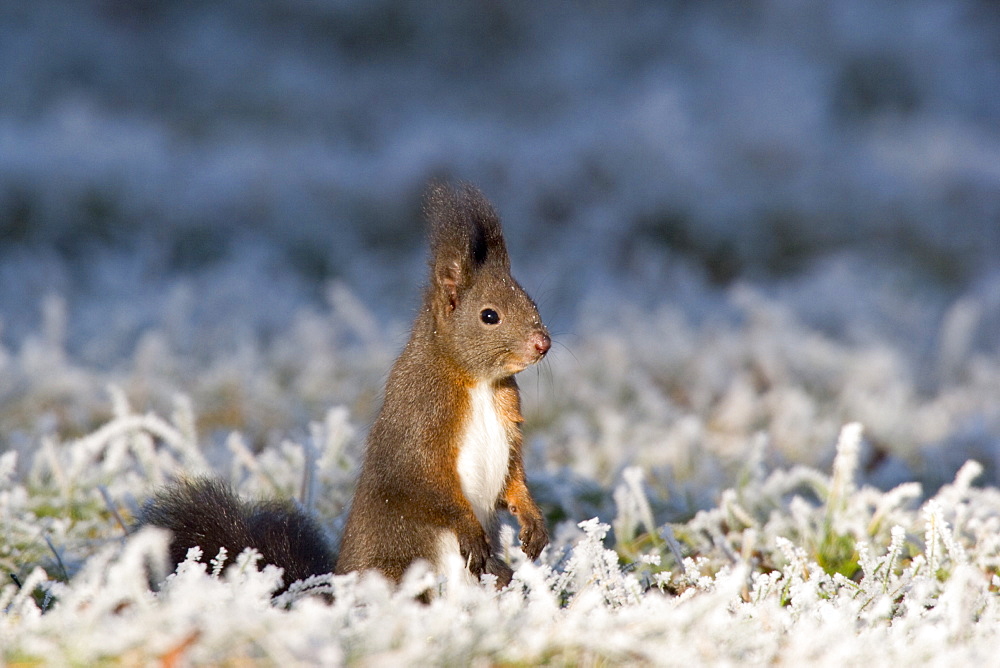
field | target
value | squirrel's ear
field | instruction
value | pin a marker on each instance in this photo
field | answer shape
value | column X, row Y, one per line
column 448, row 280
column 465, row 235
column 450, row 268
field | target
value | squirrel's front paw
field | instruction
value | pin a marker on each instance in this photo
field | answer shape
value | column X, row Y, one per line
column 475, row 551
column 533, row 537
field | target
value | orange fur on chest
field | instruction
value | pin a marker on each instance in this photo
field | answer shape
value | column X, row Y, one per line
column 508, row 404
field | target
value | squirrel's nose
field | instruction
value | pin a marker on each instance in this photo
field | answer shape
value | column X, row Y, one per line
column 542, row 342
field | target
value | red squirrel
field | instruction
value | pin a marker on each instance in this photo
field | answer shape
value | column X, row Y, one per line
column 444, row 453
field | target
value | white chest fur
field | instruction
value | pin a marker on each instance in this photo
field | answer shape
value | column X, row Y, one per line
column 484, row 454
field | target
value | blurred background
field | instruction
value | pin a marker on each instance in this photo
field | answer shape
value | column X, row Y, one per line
column 194, row 195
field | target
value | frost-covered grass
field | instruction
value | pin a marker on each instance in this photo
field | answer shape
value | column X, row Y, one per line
column 791, row 565
column 706, row 500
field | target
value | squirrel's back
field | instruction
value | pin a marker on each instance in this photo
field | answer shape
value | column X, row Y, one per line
column 207, row 513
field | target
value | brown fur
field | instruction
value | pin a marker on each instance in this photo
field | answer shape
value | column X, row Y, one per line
column 409, row 489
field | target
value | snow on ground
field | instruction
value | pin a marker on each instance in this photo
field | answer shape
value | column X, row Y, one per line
column 747, row 226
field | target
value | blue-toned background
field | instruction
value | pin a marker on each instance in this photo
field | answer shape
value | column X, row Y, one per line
column 183, row 185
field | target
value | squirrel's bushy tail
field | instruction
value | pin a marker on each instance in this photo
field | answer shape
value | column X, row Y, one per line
column 209, row 514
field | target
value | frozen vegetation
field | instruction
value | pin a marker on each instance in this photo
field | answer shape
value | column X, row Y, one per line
column 765, row 235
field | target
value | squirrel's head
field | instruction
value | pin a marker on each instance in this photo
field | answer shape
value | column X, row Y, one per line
column 483, row 319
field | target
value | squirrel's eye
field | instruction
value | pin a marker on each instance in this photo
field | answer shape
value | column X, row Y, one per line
column 489, row 316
